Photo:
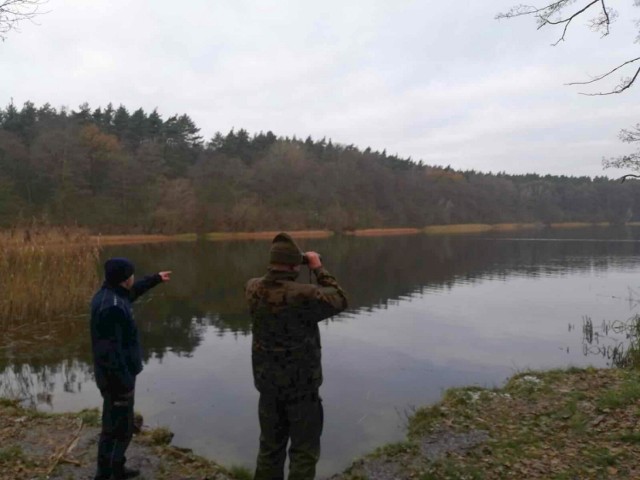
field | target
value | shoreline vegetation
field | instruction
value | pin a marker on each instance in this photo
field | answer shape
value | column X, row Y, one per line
column 44, row 273
column 455, row 229
column 558, row 424
column 561, row 424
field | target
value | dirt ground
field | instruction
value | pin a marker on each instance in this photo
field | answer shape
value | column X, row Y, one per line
column 34, row 445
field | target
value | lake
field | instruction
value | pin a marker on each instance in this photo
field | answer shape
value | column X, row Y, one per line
column 426, row 313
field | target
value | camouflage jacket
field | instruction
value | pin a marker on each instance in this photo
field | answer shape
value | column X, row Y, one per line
column 286, row 339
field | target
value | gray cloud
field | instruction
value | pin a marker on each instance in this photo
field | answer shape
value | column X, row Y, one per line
column 441, row 82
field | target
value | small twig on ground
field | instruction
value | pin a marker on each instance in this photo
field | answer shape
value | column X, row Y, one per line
column 66, row 449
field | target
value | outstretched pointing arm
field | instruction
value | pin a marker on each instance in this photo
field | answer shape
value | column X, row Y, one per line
column 147, row 283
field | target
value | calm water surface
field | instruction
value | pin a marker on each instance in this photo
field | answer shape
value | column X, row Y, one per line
column 427, row 313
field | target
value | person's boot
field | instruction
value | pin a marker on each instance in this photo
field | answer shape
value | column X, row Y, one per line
column 124, row 473
column 103, row 474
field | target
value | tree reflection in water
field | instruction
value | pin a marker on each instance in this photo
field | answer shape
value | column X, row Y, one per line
column 207, row 290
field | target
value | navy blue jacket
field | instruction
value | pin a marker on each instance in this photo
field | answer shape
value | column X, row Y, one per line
column 117, row 356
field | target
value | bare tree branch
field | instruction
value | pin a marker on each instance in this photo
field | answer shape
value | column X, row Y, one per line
column 630, row 136
column 552, row 14
column 545, row 14
column 567, row 21
column 607, row 18
column 571, row 17
column 564, row 32
column 521, row 10
column 604, row 75
column 625, row 84
column 12, row 12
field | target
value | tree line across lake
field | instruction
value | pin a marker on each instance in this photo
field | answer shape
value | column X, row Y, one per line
column 114, row 171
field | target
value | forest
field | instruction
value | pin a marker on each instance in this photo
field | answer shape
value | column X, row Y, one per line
column 111, row 170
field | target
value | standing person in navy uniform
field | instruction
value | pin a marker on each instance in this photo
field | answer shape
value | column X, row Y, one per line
column 117, row 359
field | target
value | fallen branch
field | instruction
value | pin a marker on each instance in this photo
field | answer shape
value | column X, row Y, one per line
column 66, row 449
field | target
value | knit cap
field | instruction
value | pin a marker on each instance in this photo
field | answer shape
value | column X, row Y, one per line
column 285, row 251
column 117, row 270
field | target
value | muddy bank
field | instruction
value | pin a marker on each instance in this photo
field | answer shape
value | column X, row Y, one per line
column 34, row 445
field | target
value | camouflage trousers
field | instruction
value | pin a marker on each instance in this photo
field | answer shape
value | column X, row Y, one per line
column 282, row 419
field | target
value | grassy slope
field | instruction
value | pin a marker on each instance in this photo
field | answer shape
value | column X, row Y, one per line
column 574, row 424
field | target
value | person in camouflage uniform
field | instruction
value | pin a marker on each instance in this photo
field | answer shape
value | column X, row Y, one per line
column 286, row 358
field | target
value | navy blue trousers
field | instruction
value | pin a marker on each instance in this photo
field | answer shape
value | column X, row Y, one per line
column 117, row 430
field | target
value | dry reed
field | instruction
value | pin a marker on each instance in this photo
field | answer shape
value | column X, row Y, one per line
column 383, row 232
column 267, row 235
column 45, row 273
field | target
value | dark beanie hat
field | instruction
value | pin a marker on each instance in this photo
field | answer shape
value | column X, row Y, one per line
column 285, row 251
column 117, row 270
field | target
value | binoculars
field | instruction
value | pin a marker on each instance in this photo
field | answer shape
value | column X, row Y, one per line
column 305, row 259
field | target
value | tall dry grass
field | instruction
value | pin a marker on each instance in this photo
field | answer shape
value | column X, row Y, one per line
column 45, row 274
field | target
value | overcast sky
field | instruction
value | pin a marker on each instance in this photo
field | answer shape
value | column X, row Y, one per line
column 435, row 80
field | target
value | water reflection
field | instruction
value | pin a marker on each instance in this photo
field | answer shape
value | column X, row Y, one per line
column 376, row 272
column 35, row 385
column 426, row 313
column 616, row 341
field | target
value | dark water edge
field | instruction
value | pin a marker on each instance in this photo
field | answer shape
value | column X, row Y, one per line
column 426, row 313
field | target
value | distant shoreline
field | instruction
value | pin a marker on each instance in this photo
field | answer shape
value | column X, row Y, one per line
column 454, row 229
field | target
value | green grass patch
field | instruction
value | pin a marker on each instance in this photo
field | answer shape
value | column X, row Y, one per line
column 161, row 436
column 396, row 449
column 240, row 473
column 449, row 469
column 424, row 419
column 602, row 457
column 11, row 454
column 9, row 402
column 525, row 384
column 90, row 417
column 355, row 476
column 627, row 394
column 630, row 437
column 34, row 413
column 464, row 396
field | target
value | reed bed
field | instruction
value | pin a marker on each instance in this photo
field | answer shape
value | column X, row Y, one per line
column 383, row 232
column 133, row 239
column 267, row 235
column 45, row 274
column 579, row 224
column 462, row 228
